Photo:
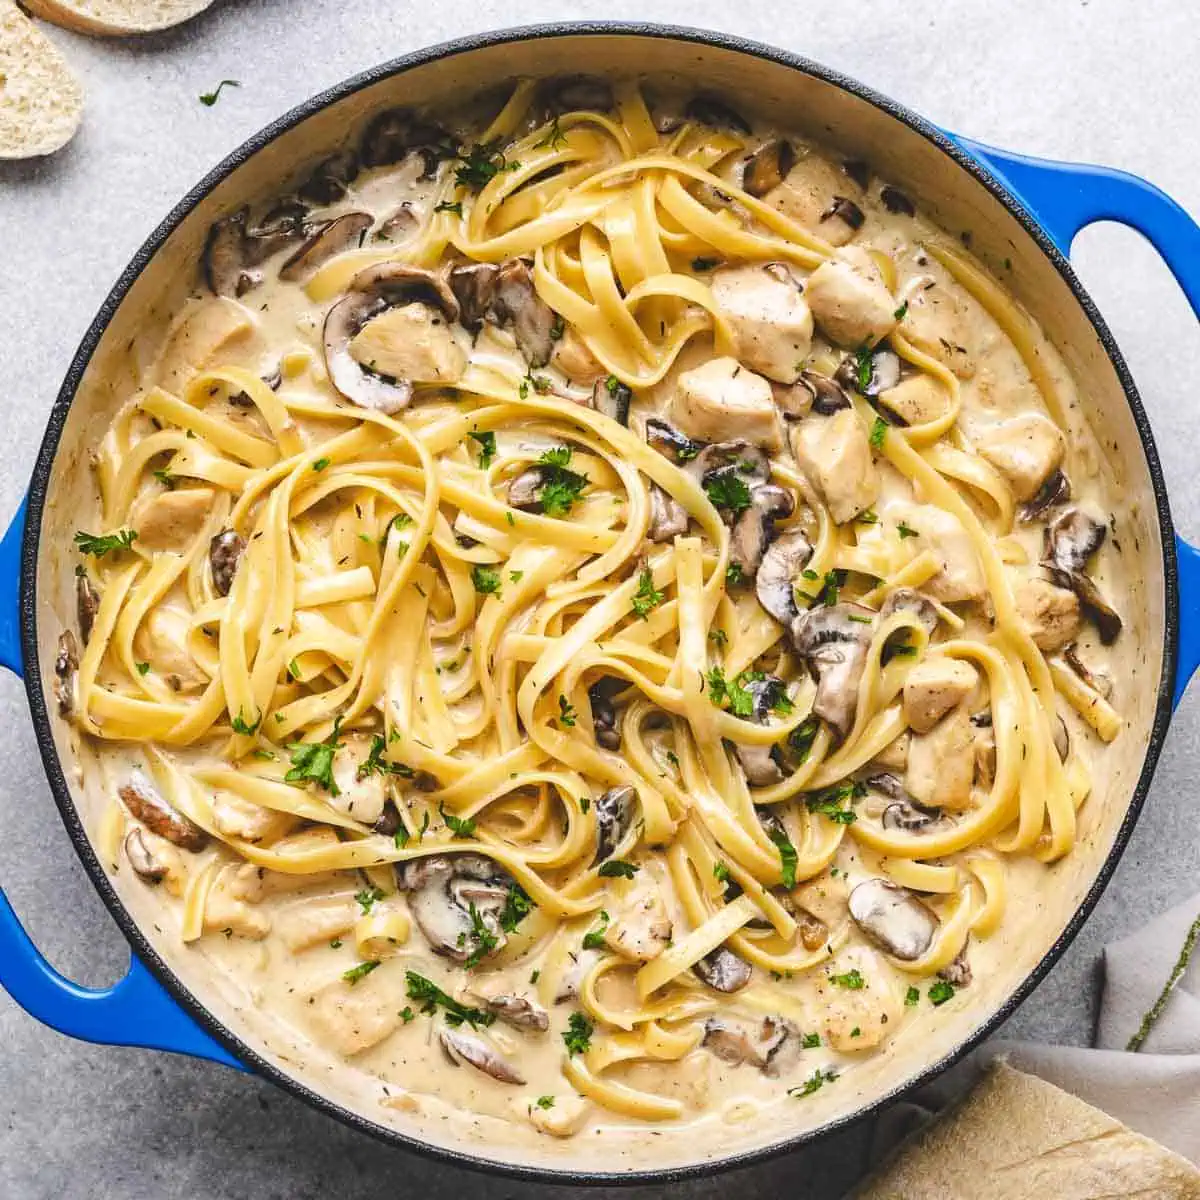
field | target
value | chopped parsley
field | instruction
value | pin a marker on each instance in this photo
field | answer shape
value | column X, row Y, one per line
column 486, row 580
column 617, row 868
column 321, row 464
column 941, row 991
column 906, row 531
column 539, row 383
column 829, row 591
column 242, row 726
column 407, row 1014
column 517, row 906
column 208, row 99
column 101, row 544
column 578, row 1034
column 312, row 762
column 485, row 941
column 718, row 637
column 553, row 139
column 646, row 598
column 428, row 995
column 293, row 669
column 813, row 1083
column 142, row 668
column 481, row 164
column 721, row 872
column 594, row 938
column 560, row 487
column 363, row 969
column 402, row 837
column 705, row 264
column 852, row 980
column 487, row 447
column 734, row 574
column 165, row 478
column 869, row 517
column 516, row 576
column 545, row 1102
column 450, row 206
column 810, row 1041
column 566, row 712
column 900, row 312
column 376, row 764
column 367, row 897
column 726, row 490
column 830, row 802
column 878, row 433
column 912, row 997
column 787, row 856
column 800, row 740
column 462, row 827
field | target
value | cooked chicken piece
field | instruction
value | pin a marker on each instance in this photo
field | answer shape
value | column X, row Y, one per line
column 938, row 322
column 894, row 756
column 933, row 687
column 240, row 818
column 360, row 798
column 810, row 195
column 641, row 929
column 223, row 913
column 916, row 400
column 1025, row 450
column 254, row 884
column 941, row 763
column 857, row 1018
column 161, row 641
column 316, row 922
column 849, row 300
column 352, row 1017
column 169, row 520
column 573, row 358
column 770, row 319
column 961, row 576
column 984, row 737
column 562, row 1118
column 722, row 400
column 413, row 342
column 1052, row 614
column 835, row 453
column 824, row 897
column 216, row 330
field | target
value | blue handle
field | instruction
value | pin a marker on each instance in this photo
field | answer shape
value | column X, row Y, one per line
column 136, row 1011
column 1063, row 198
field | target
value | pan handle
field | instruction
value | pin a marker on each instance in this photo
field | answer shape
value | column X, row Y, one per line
column 1064, row 197
column 135, row 1011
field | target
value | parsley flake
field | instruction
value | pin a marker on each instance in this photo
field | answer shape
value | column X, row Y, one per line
column 208, row 99
column 487, row 447
column 646, row 598
column 578, row 1034
column 363, row 969
column 617, row 868
column 100, row 545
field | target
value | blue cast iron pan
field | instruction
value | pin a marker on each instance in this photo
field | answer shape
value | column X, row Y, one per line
column 149, row 1007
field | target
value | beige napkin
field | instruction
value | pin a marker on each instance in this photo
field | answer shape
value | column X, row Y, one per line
column 1152, row 997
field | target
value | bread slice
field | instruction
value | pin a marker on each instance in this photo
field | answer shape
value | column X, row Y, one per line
column 40, row 99
column 1016, row 1137
column 116, row 18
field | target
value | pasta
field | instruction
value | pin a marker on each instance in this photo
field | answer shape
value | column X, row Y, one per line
column 593, row 597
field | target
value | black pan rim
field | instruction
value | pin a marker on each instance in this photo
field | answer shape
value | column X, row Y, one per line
column 37, row 499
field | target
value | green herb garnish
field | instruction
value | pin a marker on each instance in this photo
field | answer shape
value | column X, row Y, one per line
column 312, row 762
column 787, row 856
column 578, row 1034
column 367, row 897
column 617, row 868
column 481, row 164
column 100, row 545
column 566, row 712
column 487, row 447
column 363, row 969
column 906, row 531
column 428, row 995
column 594, row 938
column 878, row 433
column 486, row 580
column 813, row 1083
column 852, row 980
column 646, row 598
column 208, row 99
column 242, row 726
column 940, row 992
column 800, row 740
column 726, row 490
column 912, row 997
column 463, row 827
column 450, row 206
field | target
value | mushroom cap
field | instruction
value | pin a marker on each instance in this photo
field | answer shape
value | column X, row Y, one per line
column 475, row 1052
column 723, row 970
column 908, row 600
column 87, row 603
column 834, row 641
column 474, row 286
column 893, row 918
column 768, row 167
column 614, row 811
column 612, row 398
column 442, row 890
column 224, row 555
column 516, row 304
column 782, row 563
column 668, row 518
column 670, row 442
column 758, row 764
column 828, row 396
column 328, row 240
column 1055, row 491
column 1071, row 539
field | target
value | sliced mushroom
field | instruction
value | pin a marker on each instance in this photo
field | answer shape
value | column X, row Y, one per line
column 66, row 666
column 87, row 603
column 612, row 398
column 605, row 726
column 372, row 292
column 761, row 1046
column 389, row 821
column 147, row 805
column 723, row 971
column 834, row 641
column 224, row 256
column 281, row 225
column 224, row 554
column 474, row 287
column 386, row 138
column 399, row 224
column 329, row 240
column 958, row 970
column 1071, row 539
column 714, row 112
column 784, row 560
column 895, row 201
column 893, row 918
column 1055, row 491
column 749, row 463
column 904, row 813
column 884, row 375
column 331, row 178
column 443, row 889
column 614, row 812
column 144, row 863
column 1098, row 681
column 846, row 210
column 518, row 305
column 581, row 92
column 759, row 764
column 466, row 1047
column 670, row 442
column 754, row 528
column 827, row 394
column 524, row 490
column 668, row 518
column 768, row 166
column 518, row 1011
column 1062, row 738
column 907, row 600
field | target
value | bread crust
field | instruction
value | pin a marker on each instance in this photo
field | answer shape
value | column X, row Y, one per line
column 117, row 18
column 41, row 101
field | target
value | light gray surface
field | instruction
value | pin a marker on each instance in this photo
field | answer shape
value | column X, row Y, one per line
column 1105, row 81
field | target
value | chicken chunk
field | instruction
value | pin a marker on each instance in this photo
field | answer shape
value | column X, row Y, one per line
column 213, row 331
column 224, row 913
column 722, row 400
column 809, row 195
column 857, row 1018
column 916, row 400
column 360, row 798
column 835, row 453
column 941, row 763
column 413, row 342
column 961, row 575
column 240, row 818
column 1025, row 450
column 641, row 929
column 316, row 922
column 1051, row 614
column 562, row 1118
column 352, row 1017
column 170, row 520
column 573, row 358
column 770, row 319
column 161, row 641
column 849, row 300
column 824, row 897
column 933, row 687
column 937, row 321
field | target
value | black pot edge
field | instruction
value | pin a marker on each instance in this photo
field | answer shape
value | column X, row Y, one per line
column 37, row 499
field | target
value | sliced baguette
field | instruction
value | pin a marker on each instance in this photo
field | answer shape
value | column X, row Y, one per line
column 40, row 99
column 1016, row 1137
column 116, row 18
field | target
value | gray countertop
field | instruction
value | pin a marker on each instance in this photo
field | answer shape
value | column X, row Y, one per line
column 1105, row 81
